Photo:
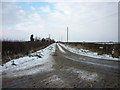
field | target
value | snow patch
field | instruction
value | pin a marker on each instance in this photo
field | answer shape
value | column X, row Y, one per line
column 101, row 47
column 60, row 48
column 30, row 65
column 85, row 75
column 55, row 81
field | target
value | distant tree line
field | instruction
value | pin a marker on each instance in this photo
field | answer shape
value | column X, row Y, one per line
column 38, row 39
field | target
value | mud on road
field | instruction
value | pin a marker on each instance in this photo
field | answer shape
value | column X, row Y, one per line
column 65, row 73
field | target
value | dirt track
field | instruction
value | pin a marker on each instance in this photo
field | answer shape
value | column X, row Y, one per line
column 69, row 73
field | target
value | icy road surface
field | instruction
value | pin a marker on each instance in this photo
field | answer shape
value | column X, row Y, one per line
column 58, row 67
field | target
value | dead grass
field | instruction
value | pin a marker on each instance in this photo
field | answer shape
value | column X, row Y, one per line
column 98, row 47
column 16, row 49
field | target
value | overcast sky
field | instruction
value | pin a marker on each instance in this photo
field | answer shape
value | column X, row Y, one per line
column 93, row 21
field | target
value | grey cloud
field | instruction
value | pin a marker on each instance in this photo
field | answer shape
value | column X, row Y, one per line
column 10, row 14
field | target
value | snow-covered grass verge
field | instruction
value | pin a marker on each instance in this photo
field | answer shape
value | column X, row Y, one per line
column 89, row 53
column 35, row 62
column 61, row 49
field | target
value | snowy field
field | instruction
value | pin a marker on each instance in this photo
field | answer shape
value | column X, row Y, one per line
column 31, row 64
column 89, row 53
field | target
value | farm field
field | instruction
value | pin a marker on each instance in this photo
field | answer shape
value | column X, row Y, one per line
column 17, row 49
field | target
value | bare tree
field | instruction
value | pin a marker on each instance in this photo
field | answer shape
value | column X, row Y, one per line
column 31, row 38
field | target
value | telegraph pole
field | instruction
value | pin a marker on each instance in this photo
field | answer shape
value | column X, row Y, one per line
column 67, row 34
column 49, row 35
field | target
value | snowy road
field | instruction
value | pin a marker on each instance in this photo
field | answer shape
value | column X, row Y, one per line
column 57, row 68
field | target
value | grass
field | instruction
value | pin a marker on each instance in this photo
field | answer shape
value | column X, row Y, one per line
column 16, row 49
column 100, row 48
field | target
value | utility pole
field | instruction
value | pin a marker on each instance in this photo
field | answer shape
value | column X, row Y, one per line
column 61, row 38
column 67, row 34
column 49, row 35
